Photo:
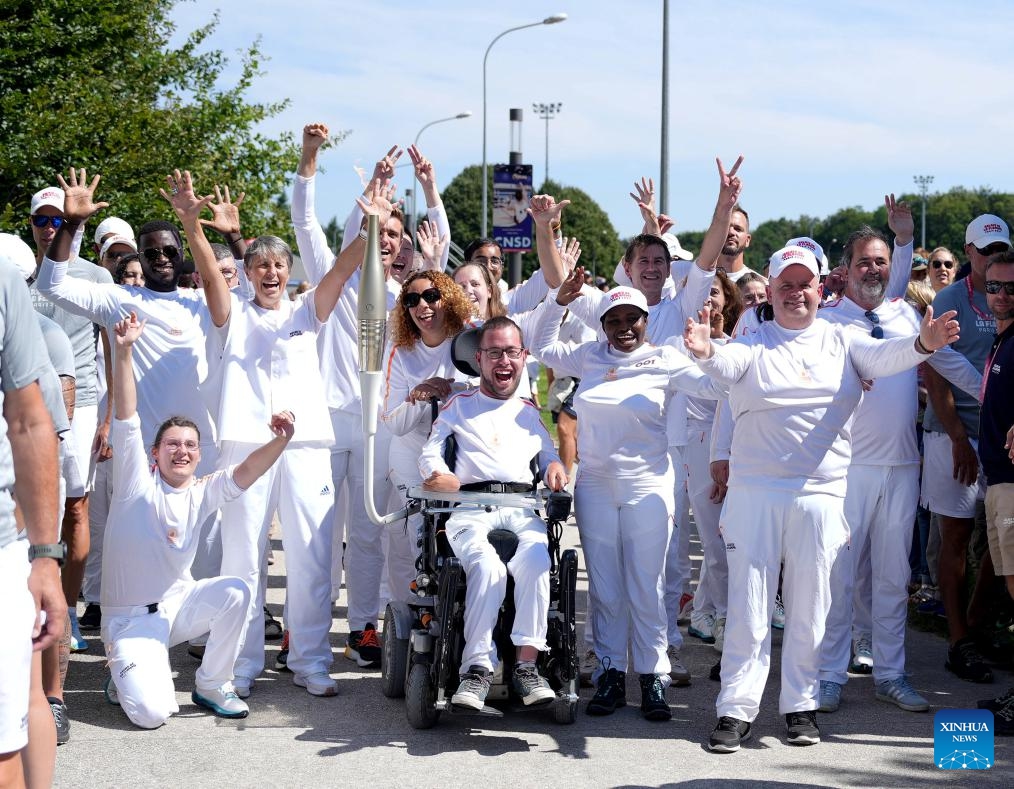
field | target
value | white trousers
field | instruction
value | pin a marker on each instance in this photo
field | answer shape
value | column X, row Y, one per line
column 625, row 526
column 15, row 646
column 677, row 559
column 363, row 553
column 298, row 486
column 764, row 529
column 712, row 594
column 486, row 579
column 137, row 645
column 880, row 509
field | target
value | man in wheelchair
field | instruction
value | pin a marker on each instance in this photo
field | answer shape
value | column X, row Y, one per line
column 497, row 435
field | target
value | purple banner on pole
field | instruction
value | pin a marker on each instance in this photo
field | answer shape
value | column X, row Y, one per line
column 513, row 229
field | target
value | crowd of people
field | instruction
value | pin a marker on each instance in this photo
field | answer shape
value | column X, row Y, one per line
column 837, row 434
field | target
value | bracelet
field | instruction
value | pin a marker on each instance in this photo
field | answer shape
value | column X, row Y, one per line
column 363, row 234
column 920, row 347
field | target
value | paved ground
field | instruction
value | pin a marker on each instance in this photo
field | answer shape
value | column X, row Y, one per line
column 362, row 738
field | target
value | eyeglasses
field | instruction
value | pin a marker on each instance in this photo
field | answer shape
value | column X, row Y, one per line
column 228, row 273
column 485, row 261
column 173, row 445
column 117, row 255
column 947, row 264
column 995, row 286
column 430, row 296
column 498, row 353
column 993, row 249
column 877, row 333
column 41, row 220
column 151, row 254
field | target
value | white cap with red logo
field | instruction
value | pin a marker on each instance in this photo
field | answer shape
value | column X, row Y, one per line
column 985, row 230
column 623, row 295
column 51, row 196
column 791, row 256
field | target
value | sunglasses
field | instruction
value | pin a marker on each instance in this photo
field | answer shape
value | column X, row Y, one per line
column 117, row 255
column 947, row 264
column 877, row 333
column 993, row 249
column 40, row 220
column 430, row 296
column 498, row 353
column 151, row 254
column 995, row 286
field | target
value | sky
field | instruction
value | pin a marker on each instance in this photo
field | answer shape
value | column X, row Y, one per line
column 831, row 104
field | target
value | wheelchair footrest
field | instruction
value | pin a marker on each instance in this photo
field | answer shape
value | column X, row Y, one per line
column 491, row 712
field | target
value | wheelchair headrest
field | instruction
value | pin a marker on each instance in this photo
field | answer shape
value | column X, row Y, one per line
column 463, row 349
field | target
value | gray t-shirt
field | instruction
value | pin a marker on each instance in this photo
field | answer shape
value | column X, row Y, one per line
column 978, row 328
column 81, row 331
column 22, row 361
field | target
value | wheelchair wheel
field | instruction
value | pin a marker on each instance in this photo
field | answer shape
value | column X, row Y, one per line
column 565, row 713
column 393, row 659
column 420, row 696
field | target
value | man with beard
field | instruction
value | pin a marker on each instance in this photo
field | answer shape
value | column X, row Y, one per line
column 497, row 435
column 736, row 242
column 883, row 482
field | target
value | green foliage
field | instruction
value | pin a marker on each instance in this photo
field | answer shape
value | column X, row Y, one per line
column 463, row 202
column 97, row 84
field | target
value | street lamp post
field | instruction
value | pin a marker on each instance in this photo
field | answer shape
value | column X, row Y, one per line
column 663, row 180
column 546, row 113
column 549, row 20
column 459, row 116
column 923, row 182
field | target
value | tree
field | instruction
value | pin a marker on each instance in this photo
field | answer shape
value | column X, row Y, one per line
column 95, row 83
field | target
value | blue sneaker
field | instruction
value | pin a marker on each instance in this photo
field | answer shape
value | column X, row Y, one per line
column 900, row 693
column 830, row 696
column 77, row 641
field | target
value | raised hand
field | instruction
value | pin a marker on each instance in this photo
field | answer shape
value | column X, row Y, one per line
column 79, row 195
column 128, row 330
column 730, row 185
column 379, row 200
column 571, row 287
column 424, row 173
column 644, row 194
column 935, row 333
column 430, row 245
column 283, row 424
column 570, row 252
column 697, row 335
column 544, row 209
column 900, row 219
column 187, row 205
column 224, row 212
column 383, row 170
column 665, row 223
column 314, row 136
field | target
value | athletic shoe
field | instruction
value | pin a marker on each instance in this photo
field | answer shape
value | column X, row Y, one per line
column 830, row 696
column 272, row 627
column 532, row 688
column 701, row 627
column 363, row 647
column 319, row 684
column 222, row 701
column 677, row 671
column 62, row 719
column 728, row 734
column 91, row 619
column 109, row 691
column 282, row 658
column 654, row 707
column 931, row 608
column 900, row 693
column 778, row 617
column 471, row 693
column 610, row 695
column 803, row 728
column 589, row 665
column 862, row 655
column 716, row 672
column 719, row 631
column 925, row 593
column 1003, row 720
column 242, row 686
column 77, row 641
column 993, row 705
column 196, row 651
column 964, row 660
column 686, row 607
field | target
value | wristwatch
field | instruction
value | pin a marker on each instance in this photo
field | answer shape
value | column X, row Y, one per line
column 57, row 550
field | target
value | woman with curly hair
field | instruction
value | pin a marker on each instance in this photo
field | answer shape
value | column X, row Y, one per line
column 431, row 310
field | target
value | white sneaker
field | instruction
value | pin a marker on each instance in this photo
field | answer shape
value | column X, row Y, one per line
column 589, row 665
column 319, row 684
column 677, row 671
column 242, row 686
column 862, row 655
column 222, row 701
column 778, row 617
column 702, row 627
column 719, row 632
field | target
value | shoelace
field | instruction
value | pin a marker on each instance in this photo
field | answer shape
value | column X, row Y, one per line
column 969, row 653
column 59, row 714
column 725, row 723
column 369, row 638
column 475, row 683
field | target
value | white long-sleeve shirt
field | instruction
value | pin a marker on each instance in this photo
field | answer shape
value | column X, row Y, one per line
column 793, row 394
column 622, row 399
column 404, row 369
column 497, row 439
column 153, row 529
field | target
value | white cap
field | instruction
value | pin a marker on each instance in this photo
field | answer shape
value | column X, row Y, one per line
column 17, row 253
column 675, row 250
column 113, row 240
column 791, row 256
column 51, row 196
column 985, row 230
column 113, row 225
column 623, row 295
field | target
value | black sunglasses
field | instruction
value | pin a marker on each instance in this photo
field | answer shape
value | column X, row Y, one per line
column 993, row 249
column 877, row 332
column 947, row 264
column 41, row 220
column 995, row 286
column 430, row 296
column 151, row 254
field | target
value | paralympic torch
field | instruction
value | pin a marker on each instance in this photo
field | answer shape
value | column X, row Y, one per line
column 372, row 315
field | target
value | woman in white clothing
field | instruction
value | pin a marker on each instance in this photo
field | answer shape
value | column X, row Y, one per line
column 624, row 489
column 431, row 310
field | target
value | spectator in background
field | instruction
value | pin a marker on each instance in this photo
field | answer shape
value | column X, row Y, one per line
column 128, row 271
column 920, row 261
column 752, row 289
column 942, row 268
column 114, row 248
